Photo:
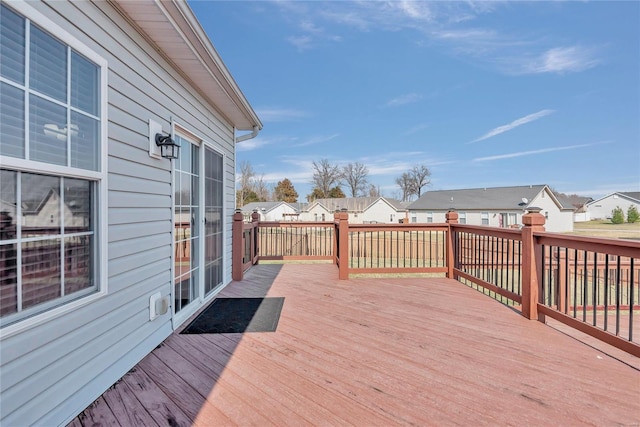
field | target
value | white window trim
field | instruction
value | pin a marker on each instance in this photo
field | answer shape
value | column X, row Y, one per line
column 101, row 257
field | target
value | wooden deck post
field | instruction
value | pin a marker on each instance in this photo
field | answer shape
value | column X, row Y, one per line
column 343, row 245
column 452, row 218
column 336, row 236
column 255, row 250
column 531, row 262
column 237, row 247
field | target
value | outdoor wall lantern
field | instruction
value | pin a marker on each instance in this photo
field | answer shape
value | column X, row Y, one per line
column 169, row 149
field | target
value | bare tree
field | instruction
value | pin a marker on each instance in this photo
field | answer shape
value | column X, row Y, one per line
column 325, row 176
column 245, row 183
column 355, row 177
column 405, row 183
column 420, row 177
column 262, row 189
column 374, row 191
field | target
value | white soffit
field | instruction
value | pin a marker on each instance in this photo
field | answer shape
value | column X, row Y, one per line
column 173, row 28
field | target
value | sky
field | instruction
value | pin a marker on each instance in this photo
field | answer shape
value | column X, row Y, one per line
column 484, row 94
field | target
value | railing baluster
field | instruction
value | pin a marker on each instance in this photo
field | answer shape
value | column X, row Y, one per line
column 618, row 296
column 631, row 298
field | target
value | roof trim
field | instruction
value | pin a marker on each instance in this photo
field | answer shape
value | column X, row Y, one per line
column 196, row 57
column 621, row 194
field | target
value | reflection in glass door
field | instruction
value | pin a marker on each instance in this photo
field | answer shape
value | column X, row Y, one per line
column 186, row 217
column 213, row 220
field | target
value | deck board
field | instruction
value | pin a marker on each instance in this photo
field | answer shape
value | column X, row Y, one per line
column 378, row 352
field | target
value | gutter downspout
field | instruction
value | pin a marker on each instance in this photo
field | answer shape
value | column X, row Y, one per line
column 247, row 136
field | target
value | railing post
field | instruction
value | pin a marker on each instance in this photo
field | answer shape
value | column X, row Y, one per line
column 336, row 230
column 255, row 250
column 452, row 218
column 237, row 247
column 343, row 243
column 531, row 262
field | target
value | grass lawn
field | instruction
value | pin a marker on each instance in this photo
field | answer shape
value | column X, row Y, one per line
column 605, row 228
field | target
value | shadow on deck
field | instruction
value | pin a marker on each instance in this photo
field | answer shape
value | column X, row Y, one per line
column 375, row 352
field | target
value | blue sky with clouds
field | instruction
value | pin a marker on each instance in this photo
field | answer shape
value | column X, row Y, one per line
column 483, row 93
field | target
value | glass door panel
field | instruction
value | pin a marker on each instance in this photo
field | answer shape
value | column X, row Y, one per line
column 186, row 220
column 213, row 239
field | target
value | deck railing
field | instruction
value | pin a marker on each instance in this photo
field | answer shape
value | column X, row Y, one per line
column 589, row 284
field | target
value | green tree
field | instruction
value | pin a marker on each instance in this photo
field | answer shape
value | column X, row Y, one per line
column 285, row 191
column 617, row 215
column 632, row 214
column 250, row 197
column 336, row 193
column 315, row 194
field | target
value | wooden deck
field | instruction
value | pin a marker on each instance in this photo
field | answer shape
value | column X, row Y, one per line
column 371, row 352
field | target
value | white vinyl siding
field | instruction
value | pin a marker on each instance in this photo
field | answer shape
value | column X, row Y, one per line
column 56, row 368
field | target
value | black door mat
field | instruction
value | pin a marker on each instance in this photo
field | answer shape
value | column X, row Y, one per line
column 236, row 315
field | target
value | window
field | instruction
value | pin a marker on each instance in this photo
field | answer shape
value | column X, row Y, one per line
column 52, row 92
column 485, row 218
column 414, row 217
column 429, row 217
column 462, row 218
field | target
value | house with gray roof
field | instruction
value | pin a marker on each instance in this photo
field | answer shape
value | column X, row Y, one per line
column 495, row 207
column 602, row 208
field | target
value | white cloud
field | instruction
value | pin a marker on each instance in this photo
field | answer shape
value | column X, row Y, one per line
column 316, row 140
column 562, row 60
column 301, row 42
column 403, row 100
column 252, row 144
column 279, row 114
column 416, row 129
column 445, row 23
column 514, row 124
column 532, row 152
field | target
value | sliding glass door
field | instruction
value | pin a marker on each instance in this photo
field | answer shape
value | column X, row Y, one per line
column 199, row 225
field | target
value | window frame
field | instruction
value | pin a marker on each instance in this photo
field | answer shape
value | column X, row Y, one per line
column 462, row 217
column 429, row 217
column 484, row 216
column 98, row 178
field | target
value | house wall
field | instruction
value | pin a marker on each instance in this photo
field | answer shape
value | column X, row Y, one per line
column 275, row 214
column 601, row 209
column 557, row 220
column 380, row 211
column 319, row 210
column 53, row 370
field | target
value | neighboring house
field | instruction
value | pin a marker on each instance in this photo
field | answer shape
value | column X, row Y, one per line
column 602, row 208
column 496, row 207
column 94, row 275
column 361, row 210
column 270, row 211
